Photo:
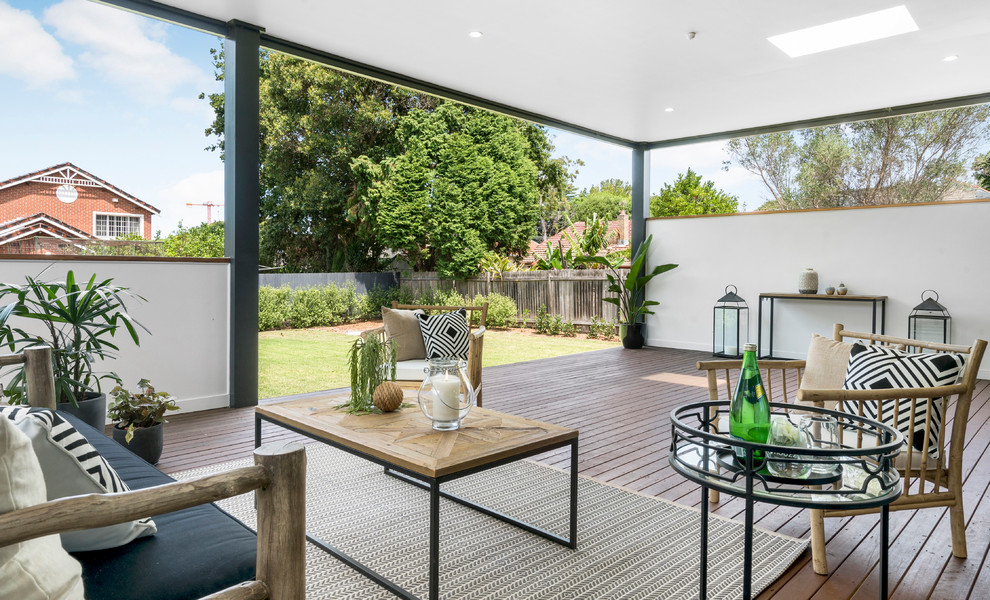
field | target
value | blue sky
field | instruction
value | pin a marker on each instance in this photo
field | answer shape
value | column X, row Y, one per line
column 117, row 95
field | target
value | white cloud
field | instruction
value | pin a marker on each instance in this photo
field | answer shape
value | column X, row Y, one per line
column 198, row 188
column 127, row 49
column 31, row 53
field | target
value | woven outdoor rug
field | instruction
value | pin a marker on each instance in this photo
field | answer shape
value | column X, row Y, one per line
column 629, row 545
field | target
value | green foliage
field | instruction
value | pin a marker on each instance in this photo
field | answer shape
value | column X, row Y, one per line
column 630, row 291
column 689, row 196
column 502, row 310
column 464, row 184
column 144, row 408
column 79, row 323
column 606, row 204
column 981, row 170
column 907, row 158
column 273, row 307
column 371, row 362
column 543, row 320
column 370, row 304
column 568, row 329
column 321, row 306
column 204, row 240
column 601, row 329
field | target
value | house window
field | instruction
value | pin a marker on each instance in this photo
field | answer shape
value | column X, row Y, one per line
column 112, row 226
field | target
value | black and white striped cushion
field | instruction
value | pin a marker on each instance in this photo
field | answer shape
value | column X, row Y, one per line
column 445, row 334
column 72, row 466
column 876, row 367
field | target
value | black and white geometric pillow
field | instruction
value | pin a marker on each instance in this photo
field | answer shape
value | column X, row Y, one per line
column 873, row 367
column 445, row 334
column 71, row 466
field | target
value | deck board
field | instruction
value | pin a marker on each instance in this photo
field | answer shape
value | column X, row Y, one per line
column 620, row 400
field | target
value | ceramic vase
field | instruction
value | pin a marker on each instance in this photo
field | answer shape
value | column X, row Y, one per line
column 841, row 290
column 808, row 281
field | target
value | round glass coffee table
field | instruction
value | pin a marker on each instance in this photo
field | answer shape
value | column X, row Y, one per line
column 856, row 471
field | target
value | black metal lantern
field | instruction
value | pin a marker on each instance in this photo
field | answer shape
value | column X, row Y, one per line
column 929, row 321
column 731, row 325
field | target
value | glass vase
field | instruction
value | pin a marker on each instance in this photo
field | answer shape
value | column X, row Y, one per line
column 446, row 396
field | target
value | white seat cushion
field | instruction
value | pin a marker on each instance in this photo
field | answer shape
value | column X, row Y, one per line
column 409, row 370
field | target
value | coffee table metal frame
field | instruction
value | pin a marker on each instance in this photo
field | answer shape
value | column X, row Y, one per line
column 696, row 444
column 433, row 485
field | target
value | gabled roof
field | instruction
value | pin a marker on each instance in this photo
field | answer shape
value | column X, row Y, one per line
column 620, row 239
column 39, row 224
column 68, row 173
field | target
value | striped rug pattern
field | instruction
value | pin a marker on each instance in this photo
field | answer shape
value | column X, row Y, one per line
column 629, row 545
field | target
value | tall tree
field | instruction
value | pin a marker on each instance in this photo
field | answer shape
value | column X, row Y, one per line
column 604, row 200
column 908, row 158
column 981, row 170
column 466, row 183
column 689, row 196
column 329, row 137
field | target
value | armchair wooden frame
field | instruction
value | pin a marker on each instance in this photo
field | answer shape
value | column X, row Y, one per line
column 475, row 339
column 278, row 476
column 927, row 482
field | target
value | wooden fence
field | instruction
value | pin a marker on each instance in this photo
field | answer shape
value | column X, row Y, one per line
column 575, row 295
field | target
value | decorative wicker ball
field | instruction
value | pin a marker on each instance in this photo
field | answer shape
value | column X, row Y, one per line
column 387, row 396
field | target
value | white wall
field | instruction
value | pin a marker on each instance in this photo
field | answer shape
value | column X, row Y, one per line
column 894, row 251
column 186, row 312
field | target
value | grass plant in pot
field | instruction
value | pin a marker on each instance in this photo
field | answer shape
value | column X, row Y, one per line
column 79, row 323
column 630, row 291
column 372, row 362
column 139, row 419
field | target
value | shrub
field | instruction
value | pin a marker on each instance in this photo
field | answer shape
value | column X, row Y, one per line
column 370, row 304
column 273, row 307
column 542, row 323
column 568, row 329
column 308, row 308
column 502, row 310
column 601, row 329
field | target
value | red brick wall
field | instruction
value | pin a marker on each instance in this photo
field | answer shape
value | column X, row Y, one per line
column 35, row 197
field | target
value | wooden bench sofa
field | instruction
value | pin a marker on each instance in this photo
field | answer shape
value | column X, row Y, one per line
column 199, row 550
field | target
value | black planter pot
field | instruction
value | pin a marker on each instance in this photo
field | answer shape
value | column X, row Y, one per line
column 92, row 410
column 633, row 338
column 146, row 443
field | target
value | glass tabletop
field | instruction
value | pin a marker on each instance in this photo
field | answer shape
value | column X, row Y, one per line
column 856, row 470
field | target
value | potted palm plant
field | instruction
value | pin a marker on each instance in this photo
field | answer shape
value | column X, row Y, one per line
column 630, row 291
column 139, row 417
column 79, row 323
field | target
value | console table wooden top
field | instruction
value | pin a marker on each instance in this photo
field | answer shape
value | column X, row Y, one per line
column 822, row 296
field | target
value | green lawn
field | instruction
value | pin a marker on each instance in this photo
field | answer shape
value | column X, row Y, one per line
column 294, row 361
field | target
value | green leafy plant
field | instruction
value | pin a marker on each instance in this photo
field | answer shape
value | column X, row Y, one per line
column 80, row 323
column 542, row 323
column 630, row 291
column 568, row 329
column 371, row 361
column 144, row 408
column 601, row 329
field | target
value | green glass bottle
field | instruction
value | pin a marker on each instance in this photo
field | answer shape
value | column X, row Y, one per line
column 749, row 414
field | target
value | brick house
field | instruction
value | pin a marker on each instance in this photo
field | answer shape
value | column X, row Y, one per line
column 62, row 209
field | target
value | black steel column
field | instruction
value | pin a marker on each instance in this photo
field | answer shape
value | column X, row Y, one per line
column 241, row 201
column 640, row 198
column 640, row 194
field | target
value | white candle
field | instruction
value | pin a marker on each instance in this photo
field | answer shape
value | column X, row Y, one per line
column 732, row 350
column 445, row 398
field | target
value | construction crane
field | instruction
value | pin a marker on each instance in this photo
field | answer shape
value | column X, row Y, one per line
column 209, row 208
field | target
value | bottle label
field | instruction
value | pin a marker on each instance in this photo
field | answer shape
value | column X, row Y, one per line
column 759, row 391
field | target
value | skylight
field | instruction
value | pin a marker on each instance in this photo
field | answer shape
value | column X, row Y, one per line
column 846, row 32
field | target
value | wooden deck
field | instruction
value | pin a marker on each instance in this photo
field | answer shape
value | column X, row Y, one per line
column 620, row 401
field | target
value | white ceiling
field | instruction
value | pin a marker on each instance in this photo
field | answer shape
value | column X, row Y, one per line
column 613, row 66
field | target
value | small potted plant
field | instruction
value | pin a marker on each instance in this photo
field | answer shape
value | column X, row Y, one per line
column 138, row 419
column 79, row 320
column 372, row 362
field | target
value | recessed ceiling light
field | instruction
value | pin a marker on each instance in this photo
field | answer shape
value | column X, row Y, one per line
column 951, row 58
column 476, row 34
column 669, row 109
column 846, row 32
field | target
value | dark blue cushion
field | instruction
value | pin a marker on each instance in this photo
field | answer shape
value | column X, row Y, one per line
column 196, row 552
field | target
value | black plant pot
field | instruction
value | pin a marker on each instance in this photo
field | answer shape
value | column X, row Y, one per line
column 92, row 410
column 146, row 443
column 633, row 339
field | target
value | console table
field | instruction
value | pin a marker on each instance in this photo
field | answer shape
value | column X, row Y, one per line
column 878, row 304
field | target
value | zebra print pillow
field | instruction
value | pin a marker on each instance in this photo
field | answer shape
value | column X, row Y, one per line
column 72, row 466
column 873, row 367
column 446, row 334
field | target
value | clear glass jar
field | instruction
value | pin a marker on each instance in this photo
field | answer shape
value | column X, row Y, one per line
column 446, row 396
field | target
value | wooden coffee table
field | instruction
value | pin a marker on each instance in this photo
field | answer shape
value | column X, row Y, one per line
column 409, row 448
